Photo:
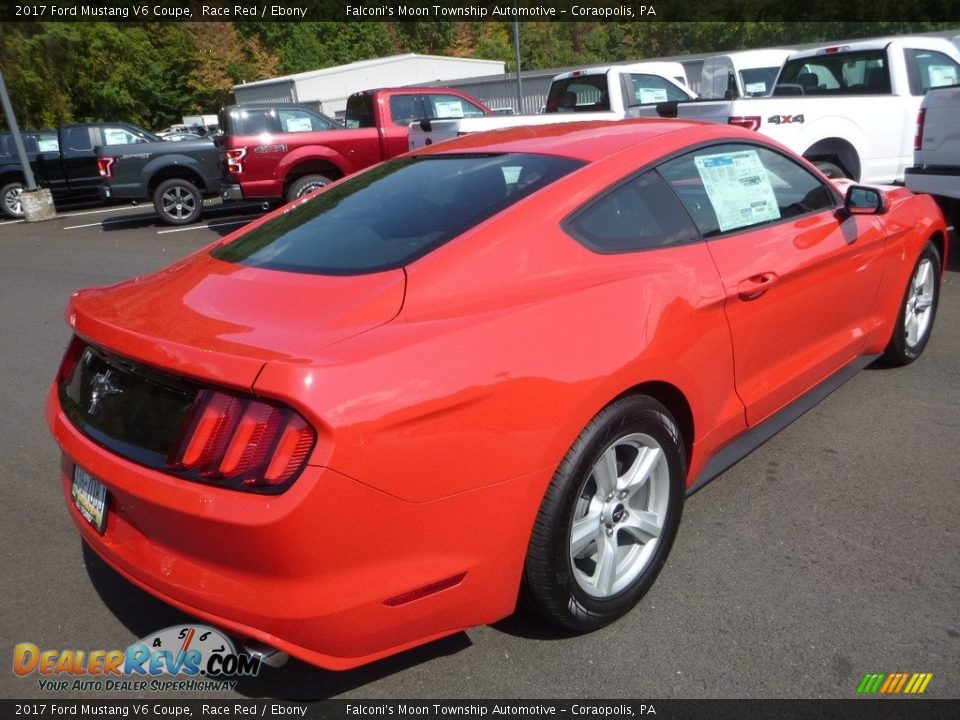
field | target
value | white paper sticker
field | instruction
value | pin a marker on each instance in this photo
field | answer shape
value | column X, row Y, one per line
column 941, row 75
column 449, row 109
column 755, row 88
column 739, row 188
column 651, row 95
column 297, row 124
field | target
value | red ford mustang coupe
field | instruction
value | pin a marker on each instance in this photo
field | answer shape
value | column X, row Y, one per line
column 373, row 417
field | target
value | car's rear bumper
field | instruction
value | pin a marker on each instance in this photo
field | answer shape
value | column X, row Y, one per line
column 323, row 571
column 231, row 191
column 942, row 181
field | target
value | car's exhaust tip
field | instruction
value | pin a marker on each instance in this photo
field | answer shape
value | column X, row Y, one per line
column 264, row 206
column 266, row 654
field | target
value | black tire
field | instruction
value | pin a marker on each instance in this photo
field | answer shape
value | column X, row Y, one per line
column 306, row 184
column 10, row 203
column 918, row 310
column 831, row 170
column 177, row 202
column 567, row 583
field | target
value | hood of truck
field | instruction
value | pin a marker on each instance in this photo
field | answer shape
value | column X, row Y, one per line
column 221, row 322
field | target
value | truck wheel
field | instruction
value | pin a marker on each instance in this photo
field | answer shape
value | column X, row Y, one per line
column 10, row 202
column 306, row 184
column 831, row 170
column 177, row 202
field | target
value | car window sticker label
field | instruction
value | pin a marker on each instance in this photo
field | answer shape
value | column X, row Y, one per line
column 739, row 188
column 651, row 95
column 941, row 75
column 449, row 109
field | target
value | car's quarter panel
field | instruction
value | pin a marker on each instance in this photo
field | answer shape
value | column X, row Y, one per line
column 305, row 571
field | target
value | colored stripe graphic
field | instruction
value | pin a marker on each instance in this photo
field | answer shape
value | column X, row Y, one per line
column 870, row 683
column 894, row 683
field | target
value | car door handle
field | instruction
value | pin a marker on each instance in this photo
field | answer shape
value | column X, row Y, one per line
column 756, row 285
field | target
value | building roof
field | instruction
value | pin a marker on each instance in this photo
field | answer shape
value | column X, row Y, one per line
column 364, row 64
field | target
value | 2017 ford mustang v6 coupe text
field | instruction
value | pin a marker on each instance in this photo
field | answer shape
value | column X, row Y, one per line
column 372, row 417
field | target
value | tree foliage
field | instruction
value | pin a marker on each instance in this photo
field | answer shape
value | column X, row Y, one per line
column 152, row 73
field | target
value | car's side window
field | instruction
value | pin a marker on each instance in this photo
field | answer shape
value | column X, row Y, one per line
column 646, row 89
column 253, row 122
column 639, row 214
column 404, row 109
column 731, row 187
column 450, row 106
column 294, row 121
column 930, row 69
column 119, row 136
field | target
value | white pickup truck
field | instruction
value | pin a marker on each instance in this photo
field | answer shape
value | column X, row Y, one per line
column 600, row 93
column 850, row 109
column 742, row 74
column 936, row 154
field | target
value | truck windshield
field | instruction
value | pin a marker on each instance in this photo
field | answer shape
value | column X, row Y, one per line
column 394, row 213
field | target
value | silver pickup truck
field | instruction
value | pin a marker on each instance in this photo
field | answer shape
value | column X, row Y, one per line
column 936, row 154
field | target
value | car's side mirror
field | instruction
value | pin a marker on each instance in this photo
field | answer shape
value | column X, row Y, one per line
column 861, row 200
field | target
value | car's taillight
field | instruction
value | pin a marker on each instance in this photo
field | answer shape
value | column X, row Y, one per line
column 750, row 122
column 243, row 442
column 918, row 138
column 234, row 158
column 70, row 359
column 106, row 166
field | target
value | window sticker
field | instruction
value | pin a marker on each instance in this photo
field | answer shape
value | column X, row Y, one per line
column 739, row 188
column 941, row 75
column 651, row 95
column 756, row 88
column 113, row 136
column 296, row 123
column 449, row 109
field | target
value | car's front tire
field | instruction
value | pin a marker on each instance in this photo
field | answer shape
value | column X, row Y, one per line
column 177, row 202
column 609, row 516
column 918, row 309
column 11, row 202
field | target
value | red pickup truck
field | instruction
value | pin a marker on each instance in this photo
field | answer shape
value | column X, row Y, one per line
column 280, row 152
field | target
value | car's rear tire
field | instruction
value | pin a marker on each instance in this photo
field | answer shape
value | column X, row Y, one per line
column 918, row 310
column 306, row 184
column 177, row 202
column 609, row 516
column 10, row 201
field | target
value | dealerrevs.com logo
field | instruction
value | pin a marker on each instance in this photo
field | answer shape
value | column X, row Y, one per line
column 201, row 654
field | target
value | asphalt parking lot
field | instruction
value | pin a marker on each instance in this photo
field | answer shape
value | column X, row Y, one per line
column 831, row 552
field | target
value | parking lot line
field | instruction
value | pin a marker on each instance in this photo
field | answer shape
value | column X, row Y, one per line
column 79, row 214
column 118, row 221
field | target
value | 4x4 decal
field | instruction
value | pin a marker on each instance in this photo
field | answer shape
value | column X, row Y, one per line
column 784, row 119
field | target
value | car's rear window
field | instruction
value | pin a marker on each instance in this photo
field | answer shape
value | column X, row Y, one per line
column 394, row 213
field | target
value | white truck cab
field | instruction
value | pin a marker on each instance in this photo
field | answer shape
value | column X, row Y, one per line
column 616, row 88
column 607, row 92
column 747, row 73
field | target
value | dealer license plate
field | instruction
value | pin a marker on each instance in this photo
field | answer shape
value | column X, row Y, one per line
column 90, row 497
